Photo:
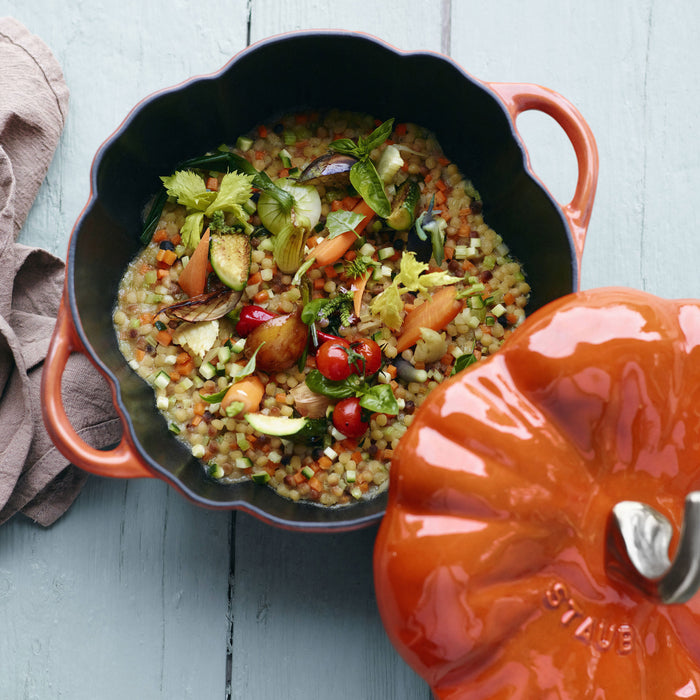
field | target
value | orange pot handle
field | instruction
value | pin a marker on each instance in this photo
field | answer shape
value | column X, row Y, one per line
column 119, row 462
column 522, row 97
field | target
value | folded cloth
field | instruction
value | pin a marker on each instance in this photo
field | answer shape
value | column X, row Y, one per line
column 35, row 478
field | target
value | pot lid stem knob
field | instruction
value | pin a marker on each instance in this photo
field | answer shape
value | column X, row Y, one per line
column 638, row 543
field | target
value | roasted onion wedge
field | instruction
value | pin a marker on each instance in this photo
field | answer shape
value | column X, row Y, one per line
column 205, row 307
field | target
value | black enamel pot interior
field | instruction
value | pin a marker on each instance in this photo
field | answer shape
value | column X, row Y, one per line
column 474, row 123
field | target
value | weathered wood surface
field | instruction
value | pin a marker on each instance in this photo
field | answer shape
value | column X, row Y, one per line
column 136, row 593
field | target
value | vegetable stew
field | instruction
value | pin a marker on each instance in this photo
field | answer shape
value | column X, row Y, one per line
column 300, row 292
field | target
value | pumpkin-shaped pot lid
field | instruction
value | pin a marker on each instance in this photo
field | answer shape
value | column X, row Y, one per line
column 532, row 544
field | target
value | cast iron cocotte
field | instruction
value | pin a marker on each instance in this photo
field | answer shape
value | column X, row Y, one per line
column 475, row 124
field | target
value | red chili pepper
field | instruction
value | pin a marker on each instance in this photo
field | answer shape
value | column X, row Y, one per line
column 252, row 316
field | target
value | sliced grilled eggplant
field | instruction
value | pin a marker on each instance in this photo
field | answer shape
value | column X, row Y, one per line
column 330, row 170
column 205, row 307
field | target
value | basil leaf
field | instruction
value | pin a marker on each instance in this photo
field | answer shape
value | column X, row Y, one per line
column 341, row 221
column 462, row 362
column 250, row 365
column 334, row 390
column 379, row 399
column 345, row 146
column 215, row 398
column 377, row 137
column 365, row 179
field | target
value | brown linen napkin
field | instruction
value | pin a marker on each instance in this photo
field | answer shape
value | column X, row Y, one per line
column 34, row 477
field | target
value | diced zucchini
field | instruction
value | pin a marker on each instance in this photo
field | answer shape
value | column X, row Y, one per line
column 215, row 471
column 260, row 477
column 285, row 158
column 230, row 257
column 308, row 472
column 351, row 476
column 243, row 143
column 161, row 380
column 207, row 370
column 384, row 253
column 243, row 463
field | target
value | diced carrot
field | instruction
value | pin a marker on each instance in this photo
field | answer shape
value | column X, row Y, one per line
column 447, row 358
column 262, row 296
column 196, row 421
column 255, row 278
column 358, row 289
column 315, row 484
column 301, row 117
column 145, row 319
column 330, row 272
column 443, row 161
column 508, row 298
column 193, row 277
column 350, row 255
column 176, row 239
column 139, row 354
column 319, row 283
column 357, row 457
column 391, row 371
column 249, row 391
column 388, row 453
column 162, row 273
column 449, row 252
column 164, row 337
column 400, row 129
column 428, row 178
column 419, row 365
column 262, row 131
column 182, row 357
column 166, row 256
column 512, row 319
column 259, row 155
column 174, row 376
column 186, row 368
column 284, row 172
column 281, row 397
column 298, row 478
column 212, row 184
column 364, row 487
column 435, row 313
column 336, row 204
column 324, row 462
column 440, row 184
column 145, row 267
column 404, row 167
column 160, row 235
column 199, row 408
column 439, row 198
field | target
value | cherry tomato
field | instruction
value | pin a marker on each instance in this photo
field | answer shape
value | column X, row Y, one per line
column 347, row 418
column 372, row 354
column 332, row 360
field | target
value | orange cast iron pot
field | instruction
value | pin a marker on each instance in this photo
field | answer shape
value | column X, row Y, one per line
column 475, row 123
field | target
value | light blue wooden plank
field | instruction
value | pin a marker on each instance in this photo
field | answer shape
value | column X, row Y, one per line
column 305, row 619
column 125, row 596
